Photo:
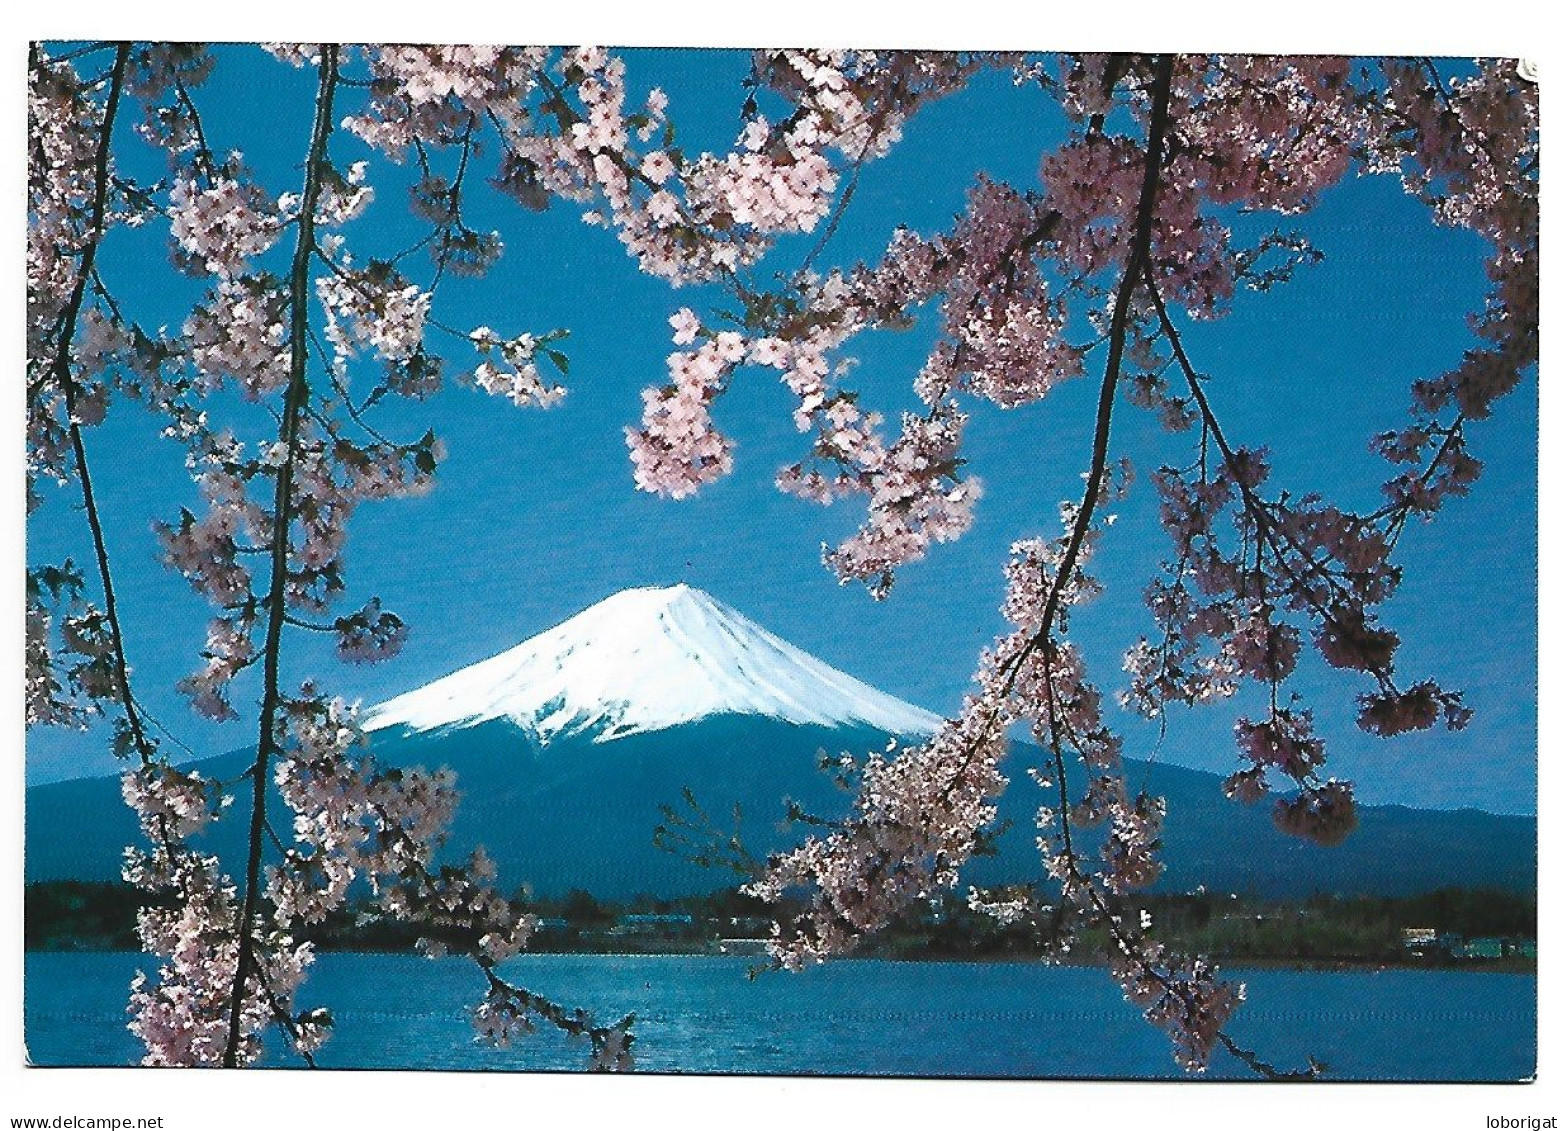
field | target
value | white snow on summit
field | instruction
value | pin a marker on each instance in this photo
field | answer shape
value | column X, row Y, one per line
column 643, row 660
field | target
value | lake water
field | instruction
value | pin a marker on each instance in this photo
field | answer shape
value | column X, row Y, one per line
column 703, row 1014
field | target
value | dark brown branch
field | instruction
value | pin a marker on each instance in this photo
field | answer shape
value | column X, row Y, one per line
column 284, row 1019
column 60, row 368
column 277, row 598
column 873, row 134
column 1267, row 528
column 67, row 56
column 61, row 371
column 204, row 156
column 574, row 1023
column 1137, row 258
column 1137, row 255
column 1080, row 883
column 1137, row 261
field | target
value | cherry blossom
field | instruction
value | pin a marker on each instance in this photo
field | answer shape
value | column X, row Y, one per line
column 1128, row 231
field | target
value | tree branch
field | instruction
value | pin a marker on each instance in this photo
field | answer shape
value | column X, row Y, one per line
column 1137, row 261
column 277, row 601
column 1268, row 528
column 61, row 371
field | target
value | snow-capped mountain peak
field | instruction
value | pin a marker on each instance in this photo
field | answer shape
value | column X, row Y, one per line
column 644, row 660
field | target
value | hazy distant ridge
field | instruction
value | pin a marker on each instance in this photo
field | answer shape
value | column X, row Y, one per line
column 566, row 745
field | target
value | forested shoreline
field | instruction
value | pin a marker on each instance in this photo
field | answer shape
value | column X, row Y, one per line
column 1467, row 927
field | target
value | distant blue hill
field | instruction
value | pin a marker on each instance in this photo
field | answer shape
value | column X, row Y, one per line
column 579, row 814
column 566, row 745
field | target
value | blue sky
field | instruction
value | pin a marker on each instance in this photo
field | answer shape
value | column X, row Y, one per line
column 535, row 516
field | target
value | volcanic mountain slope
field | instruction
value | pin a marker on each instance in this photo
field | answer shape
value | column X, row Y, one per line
column 646, row 660
column 566, row 746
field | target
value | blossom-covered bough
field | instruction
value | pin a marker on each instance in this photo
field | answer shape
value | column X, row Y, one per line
column 267, row 549
column 1128, row 225
column 1127, row 233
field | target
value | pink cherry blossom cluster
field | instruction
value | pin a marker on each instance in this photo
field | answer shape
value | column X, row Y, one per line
column 161, row 77
column 1129, row 851
column 1320, row 811
column 102, row 344
column 682, row 219
column 677, row 449
column 1181, row 995
column 1086, row 82
column 237, row 334
column 68, row 656
column 511, row 369
column 1006, row 907
column 354, row 817
column 1094, row 183
column 222, row 227
column 1002, row 331
column 183, row 1013
column 206, row 551
column 913, row 491
column 1468, row 147
column 918, row 817
column 370, row 635
column 578, row 136
column 63, row 126
column 46, row 697
column 373, row 309
column 170, row 800
column 1065, row 713
column 382, row 469
column 439, row 95
column 1259, row 132
column 858, row 101
column 1267, row 131
column 48, row 444
column 86, row 637
column 508, row 1012
column 427, row 93
column 691, row 219
column 1285, row 740
column 1222, row 607
column 783, row 193
column 331, row 478
column 294, row 54
column 223, row 975
column 915, row 822
column 1324, row 813
column 344, row 196
column 437, row 199
column 351, row 816
column 915, row 499
column 209, row 551
column 229, row 651
column 1001, row 325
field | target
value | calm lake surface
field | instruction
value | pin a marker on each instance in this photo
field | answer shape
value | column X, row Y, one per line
column 703, row 1014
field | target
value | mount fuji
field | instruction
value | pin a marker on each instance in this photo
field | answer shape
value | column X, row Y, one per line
column 566, row 746
column 646, row 660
